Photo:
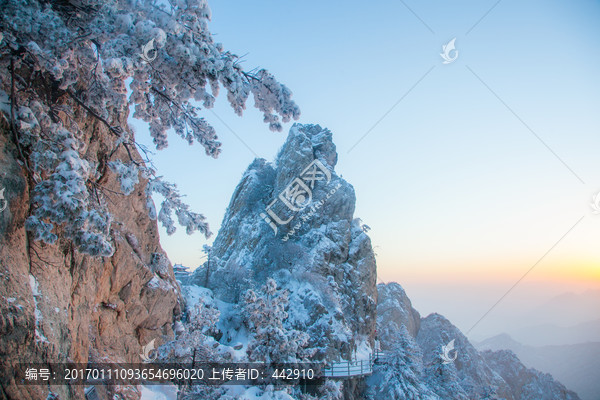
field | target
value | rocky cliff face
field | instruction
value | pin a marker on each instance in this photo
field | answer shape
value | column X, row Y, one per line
column 57, row 305
column 292, row 220
column 472, row 375
column 395, row 309
column 468, row 376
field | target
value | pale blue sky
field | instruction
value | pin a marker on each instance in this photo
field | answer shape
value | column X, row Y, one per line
column 454, row 186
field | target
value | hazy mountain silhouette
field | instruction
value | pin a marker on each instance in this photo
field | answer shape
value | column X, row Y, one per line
column 576, row 366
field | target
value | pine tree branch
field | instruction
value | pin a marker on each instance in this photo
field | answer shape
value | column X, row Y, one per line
column 114, row 130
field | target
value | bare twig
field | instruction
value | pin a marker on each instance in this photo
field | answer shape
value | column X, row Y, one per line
column 111, row 128
column 115, row 130
column 32, row 248
column 185, row 112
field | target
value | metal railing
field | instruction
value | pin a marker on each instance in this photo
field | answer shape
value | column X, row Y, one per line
column 380, row 357
column 351, row 368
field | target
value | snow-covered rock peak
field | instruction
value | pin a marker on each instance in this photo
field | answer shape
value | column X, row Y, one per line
column 293, row 221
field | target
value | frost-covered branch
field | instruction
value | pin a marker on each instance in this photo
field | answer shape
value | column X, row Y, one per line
column 172, row 203
column 57, row 57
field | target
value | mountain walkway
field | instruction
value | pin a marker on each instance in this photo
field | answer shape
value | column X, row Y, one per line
column 353, row 368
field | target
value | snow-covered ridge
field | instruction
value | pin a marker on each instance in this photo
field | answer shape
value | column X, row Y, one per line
column 415, row 367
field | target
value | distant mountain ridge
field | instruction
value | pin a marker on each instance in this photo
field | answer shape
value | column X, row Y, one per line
column 537, row 316
column 568, row 318
column 550, row 334
column 577, row 366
